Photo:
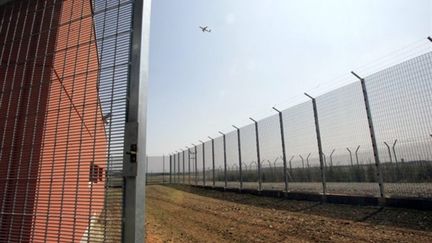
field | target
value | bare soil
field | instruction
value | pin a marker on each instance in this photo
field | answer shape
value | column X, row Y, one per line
column 186, row 214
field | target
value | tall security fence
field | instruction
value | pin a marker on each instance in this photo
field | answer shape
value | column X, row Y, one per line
column 70, row 83
column 372, row 137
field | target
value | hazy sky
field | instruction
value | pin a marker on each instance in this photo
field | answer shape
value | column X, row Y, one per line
column 261, row 53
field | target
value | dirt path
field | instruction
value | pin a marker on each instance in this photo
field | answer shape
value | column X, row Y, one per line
column 175, row 215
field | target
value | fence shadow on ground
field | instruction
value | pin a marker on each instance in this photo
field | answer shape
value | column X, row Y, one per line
column 398, row 217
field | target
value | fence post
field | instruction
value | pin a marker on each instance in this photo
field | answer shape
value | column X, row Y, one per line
column 196, row 164
column 258, row 154
column 372, row 134
column 170, row 170
column 179, row 168
column 213, row 162
column 184, row 172
column 239, row 156
column 225, row 162
column 163, row 169
column 189, row 172
column 203, row 155
column 318, row 134
column 283, row 147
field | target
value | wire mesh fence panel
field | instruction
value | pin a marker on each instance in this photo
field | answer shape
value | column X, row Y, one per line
column 233, row 173
column 219, row 161
column 155, row 168
column 401, row 101
column 301, row 149
column 209, row 162
column 346, row 141
column 64, row 78
column 271, row 152
column 249, row 156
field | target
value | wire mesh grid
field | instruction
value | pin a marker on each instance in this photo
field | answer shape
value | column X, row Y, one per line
column 401, row 101
column 347, row 149
column 64, row 75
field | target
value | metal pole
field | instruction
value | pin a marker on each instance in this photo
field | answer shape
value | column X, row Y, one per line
column 292, row 157
column 331, row 158
column 372, row 134
column 389, row 152
column 213, row 162
column 283, row 147
column 318, row 135
column 225, row 161
column 356, row 154
column 163, row 169
column 351, row 159
column 179, row 168
column 184, row 172
column 239, row 157
column 170, row 169
column 196, row 164
column 258, row 154
column 394, row 150
column 189, row 171
column 203, row 155
column 135, row 128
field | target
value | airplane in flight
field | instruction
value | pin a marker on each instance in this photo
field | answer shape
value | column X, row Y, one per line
column 205, row 29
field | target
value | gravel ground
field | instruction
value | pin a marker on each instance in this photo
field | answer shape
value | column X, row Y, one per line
column 185, row 214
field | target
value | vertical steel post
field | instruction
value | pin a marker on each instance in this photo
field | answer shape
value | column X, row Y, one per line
column 179, row 168
column 351, row 159
column 372, row 134
column 170, row 169
column 258, row 154
column 239, row 157
column 196, row 165
column 184, row 172
column 189, row 171
column 394, row 150
column 318, row 135
column 163, row 169
column 135, row 128
column 203, row 156
column 175, row 168
column 356, row 155
column 283, row 148
column 225, row 160
column 213, row 162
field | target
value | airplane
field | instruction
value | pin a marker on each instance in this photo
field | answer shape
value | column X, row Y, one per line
column 205, row 29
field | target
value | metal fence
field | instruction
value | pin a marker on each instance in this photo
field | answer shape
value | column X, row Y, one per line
column 372, row 137
column 68, row 120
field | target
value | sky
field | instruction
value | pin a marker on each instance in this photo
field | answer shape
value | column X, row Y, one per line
column 262, row 53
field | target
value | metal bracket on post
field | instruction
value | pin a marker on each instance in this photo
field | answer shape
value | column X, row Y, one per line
column 429, row 38
column 225, row 160
column 318, row 134
column 203, row 154
column 372, row 134
column 239, row 157
column 283, row 147
column 213, row 162
column 258, row 154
